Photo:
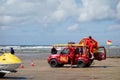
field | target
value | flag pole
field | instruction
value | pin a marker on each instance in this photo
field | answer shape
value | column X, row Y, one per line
column 109, row 43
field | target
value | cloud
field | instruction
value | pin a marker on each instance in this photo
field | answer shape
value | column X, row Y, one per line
column 18, row 12
column 5, row 19
column 5, row 27
column 118, row 10
column 114, row 28
column 45, row 12
column 73, row 28
column 62, row 11
column 59, row 15
column 98, row 10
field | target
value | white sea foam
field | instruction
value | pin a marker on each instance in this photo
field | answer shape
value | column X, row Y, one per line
column 25, row 47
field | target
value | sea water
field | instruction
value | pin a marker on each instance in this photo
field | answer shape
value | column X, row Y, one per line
column 29, row 51
column 28, row 48
column 112, row 51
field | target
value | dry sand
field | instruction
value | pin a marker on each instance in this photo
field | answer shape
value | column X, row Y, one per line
column 100, row 70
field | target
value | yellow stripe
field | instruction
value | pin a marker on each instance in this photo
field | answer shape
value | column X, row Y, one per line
column 64, row 45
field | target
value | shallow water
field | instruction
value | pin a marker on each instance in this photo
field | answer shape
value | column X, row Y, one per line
column 33, row 55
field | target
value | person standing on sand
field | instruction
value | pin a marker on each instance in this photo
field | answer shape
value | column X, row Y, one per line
column 53, row 50
column 91, row 46
column 2, row 51
column 71, row 55
column 12, row 51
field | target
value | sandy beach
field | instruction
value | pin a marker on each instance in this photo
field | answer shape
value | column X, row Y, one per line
column 100, row 70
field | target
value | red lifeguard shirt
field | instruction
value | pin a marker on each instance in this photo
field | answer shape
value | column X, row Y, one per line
column 90, row 44
column 72, row 52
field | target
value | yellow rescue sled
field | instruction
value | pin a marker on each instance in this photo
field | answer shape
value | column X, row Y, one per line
column 8, row 63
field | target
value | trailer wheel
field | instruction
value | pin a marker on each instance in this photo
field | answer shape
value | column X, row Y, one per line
column 80, row 64
column 2, row 75
column 53, row 63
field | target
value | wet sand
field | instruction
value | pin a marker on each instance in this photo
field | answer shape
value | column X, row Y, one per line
column 100, row 70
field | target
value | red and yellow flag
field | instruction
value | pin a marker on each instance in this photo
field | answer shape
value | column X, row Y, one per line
column 109, row 42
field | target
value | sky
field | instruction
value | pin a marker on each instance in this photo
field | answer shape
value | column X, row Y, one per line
column 47, row 22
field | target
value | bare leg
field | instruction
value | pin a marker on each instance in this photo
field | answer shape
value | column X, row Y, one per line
column 92, row 55
column 71, row 63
